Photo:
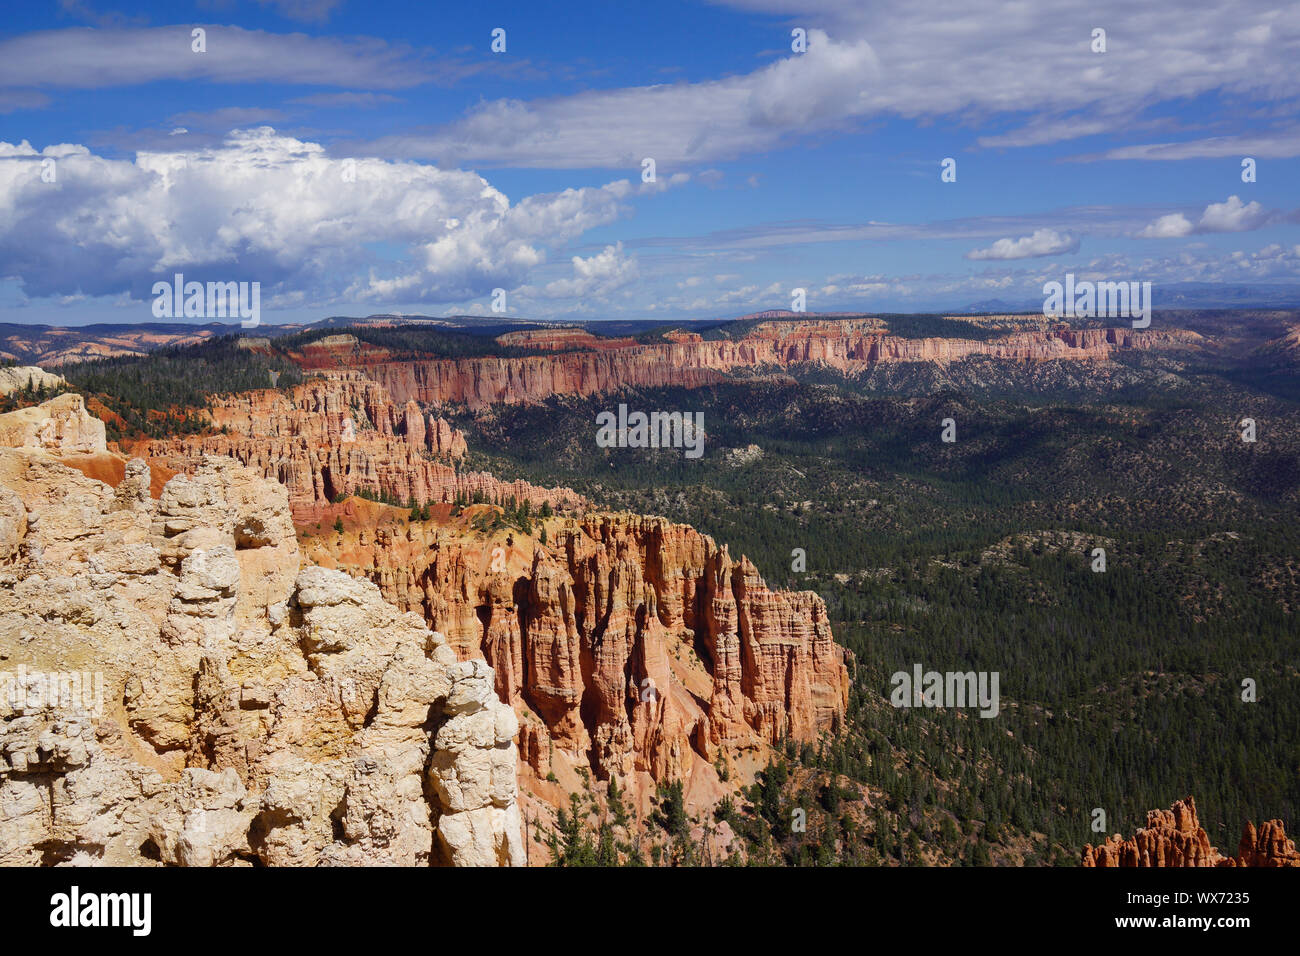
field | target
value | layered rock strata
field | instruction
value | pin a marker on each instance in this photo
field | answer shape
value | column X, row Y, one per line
column 852, row 346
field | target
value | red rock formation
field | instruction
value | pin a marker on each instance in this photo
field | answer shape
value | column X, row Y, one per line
column 635, row 642
column 339, row 434
column 1175, row 838
column 1172, row 837
column 482, row 381
column 850, row 345
column 1267, row 847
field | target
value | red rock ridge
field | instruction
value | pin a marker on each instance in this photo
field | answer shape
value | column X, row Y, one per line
column 558, row 339
column 341, row 434
column 852, row 346
column 629, row 643
column 1175, row 838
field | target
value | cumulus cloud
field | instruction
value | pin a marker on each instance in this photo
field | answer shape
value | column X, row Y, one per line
column 596, row 276
column 1232, row 215
column 1043, row 242
column 1172, row 226
column 270, row 208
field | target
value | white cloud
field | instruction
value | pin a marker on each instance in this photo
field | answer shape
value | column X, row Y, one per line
column 1047, row 131
column 85, row 58
column 673, row 123
column 1043, row 242
column 280, row 211
column 917, row 61
column 1231, row 215
column 1172, row 226
column 596, row 276
column 1279, row 144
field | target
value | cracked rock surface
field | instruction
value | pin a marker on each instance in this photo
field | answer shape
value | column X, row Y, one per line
column 228, row 708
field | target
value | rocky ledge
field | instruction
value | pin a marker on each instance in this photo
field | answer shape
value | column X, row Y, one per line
column 174, row 690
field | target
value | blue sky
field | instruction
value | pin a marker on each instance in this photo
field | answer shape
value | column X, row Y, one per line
column 357, row 158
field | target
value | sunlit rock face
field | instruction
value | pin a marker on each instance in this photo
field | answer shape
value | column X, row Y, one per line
column 234, row 709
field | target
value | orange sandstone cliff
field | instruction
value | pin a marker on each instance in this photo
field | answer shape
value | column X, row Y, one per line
column 852, row 346
column 339, row 434
column 626, row 643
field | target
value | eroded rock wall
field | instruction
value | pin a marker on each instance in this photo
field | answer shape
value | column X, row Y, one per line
column 850, row 346
column 628, row 642
column 341, row 434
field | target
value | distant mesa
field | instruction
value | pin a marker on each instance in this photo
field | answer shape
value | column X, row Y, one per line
column 851, row 346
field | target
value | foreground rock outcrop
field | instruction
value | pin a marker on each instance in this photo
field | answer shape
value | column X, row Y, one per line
column 173, row 689
column 625, row 643
column 341, row 434
column 1175, row 838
